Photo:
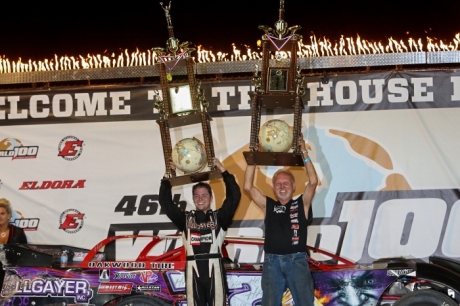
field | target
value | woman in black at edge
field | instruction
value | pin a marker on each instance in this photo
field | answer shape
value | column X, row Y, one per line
column 8, row 232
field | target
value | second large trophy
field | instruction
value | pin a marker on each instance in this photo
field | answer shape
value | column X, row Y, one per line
column 183, row 104
column 278, row 85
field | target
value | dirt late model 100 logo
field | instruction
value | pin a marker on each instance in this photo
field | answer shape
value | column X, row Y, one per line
column 27, row 224
column 12, row 147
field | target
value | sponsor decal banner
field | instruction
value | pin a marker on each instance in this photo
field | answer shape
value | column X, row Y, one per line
column 117, row 264
column 79, row 289
column 115, row 288
column 383, row 145
column 124, row 275
column 104, row 275
column 154, row 288
column 148, row 276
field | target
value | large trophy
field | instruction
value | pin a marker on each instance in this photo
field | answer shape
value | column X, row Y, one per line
column 278, row 85
column 181, row 105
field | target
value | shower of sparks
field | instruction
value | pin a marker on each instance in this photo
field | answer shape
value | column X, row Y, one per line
column 318, row 47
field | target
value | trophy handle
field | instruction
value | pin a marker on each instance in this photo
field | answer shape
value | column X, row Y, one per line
column 167, row 147
column 255, row 122
column 207, row 135
column 297, row 128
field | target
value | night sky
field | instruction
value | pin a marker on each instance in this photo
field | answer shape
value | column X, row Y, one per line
column 42, row 30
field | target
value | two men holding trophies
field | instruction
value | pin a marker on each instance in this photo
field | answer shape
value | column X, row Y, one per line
column 286, row 219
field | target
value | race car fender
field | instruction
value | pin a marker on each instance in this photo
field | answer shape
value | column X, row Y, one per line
column 440, row 270
column 448, row 263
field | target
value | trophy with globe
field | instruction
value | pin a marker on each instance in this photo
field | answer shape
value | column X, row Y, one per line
column 180, row 105
column 278, row 85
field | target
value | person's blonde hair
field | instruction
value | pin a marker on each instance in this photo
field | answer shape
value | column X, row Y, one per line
column 287, row 172
column 6, row 204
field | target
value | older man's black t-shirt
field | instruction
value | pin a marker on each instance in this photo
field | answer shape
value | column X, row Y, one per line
column 285, row 227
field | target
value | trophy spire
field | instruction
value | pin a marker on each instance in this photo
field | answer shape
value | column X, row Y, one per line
column 281, row 31
column 172, row 43
column 278, row 85
column 281, row 25
column 181, row 105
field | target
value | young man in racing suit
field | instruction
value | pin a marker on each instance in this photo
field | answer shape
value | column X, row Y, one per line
column 203, row 232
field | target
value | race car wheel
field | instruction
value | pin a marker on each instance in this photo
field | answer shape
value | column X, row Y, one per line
column 425, row 298
column 141, row 300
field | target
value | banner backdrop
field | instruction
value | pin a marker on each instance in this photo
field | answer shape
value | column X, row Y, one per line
column 82, row 164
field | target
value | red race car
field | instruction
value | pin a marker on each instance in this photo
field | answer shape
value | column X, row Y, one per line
column 34, row 275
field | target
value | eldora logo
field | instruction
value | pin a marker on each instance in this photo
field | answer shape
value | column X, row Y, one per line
column 65, row 184
column 70, row 148
column 71, row 221
column 12, row 147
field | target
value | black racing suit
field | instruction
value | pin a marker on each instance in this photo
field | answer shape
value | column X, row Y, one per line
column 203, row 235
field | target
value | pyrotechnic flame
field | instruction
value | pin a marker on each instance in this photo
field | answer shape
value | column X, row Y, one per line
column 317, row 48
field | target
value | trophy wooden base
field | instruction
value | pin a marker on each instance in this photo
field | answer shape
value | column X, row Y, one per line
column 273, row 159
column 194, row 177
column 177, row 120
column 278, row 101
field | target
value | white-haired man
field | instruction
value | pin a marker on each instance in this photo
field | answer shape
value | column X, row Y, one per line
column 285, row 262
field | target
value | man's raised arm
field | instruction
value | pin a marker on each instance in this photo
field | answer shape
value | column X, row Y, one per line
column 310, row 187
column 253, row 191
